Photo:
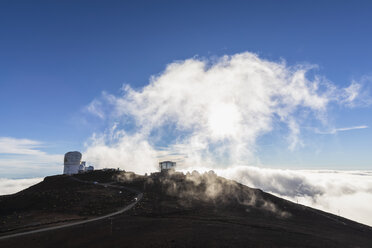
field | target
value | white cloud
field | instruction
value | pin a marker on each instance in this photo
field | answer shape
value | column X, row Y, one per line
column 23, row 157
column 342, row 129
column 358, row 93
column 11, row 186
column 19, row 146
column 213, row 110
column 95, row 107
column 352, row 92
column 131, row 152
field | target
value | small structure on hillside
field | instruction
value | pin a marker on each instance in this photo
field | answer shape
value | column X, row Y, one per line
column 74, row 165
column 82, row 167
column 167, row 165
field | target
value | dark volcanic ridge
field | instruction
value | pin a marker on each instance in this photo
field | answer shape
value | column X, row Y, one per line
column 59, row 199
column 177, row 210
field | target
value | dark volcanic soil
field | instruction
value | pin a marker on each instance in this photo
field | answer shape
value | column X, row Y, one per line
column 196, row 211
column 58, row 199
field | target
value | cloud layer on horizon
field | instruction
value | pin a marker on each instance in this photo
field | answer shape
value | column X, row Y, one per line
column 11, row 186
column 24, row 158
column 344, row 193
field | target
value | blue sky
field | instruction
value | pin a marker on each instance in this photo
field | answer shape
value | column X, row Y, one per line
column 57, row 57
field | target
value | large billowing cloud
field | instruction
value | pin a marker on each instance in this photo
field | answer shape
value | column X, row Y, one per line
column 210, row 112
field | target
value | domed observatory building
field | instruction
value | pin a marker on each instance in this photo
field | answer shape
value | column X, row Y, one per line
column 72, row 163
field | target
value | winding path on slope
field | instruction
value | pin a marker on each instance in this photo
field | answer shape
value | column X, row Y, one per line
column 137, row 198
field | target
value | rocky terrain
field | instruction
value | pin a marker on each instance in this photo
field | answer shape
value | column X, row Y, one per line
column 177, row 210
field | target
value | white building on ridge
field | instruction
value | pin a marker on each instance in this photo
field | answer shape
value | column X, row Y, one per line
column 74, row 165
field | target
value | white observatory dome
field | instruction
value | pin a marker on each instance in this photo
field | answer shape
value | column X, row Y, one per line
column 72, row 162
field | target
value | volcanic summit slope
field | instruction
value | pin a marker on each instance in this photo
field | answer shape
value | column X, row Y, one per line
column 193, row 210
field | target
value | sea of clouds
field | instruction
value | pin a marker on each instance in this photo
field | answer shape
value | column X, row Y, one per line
column 11, row 186
column 345, row 193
